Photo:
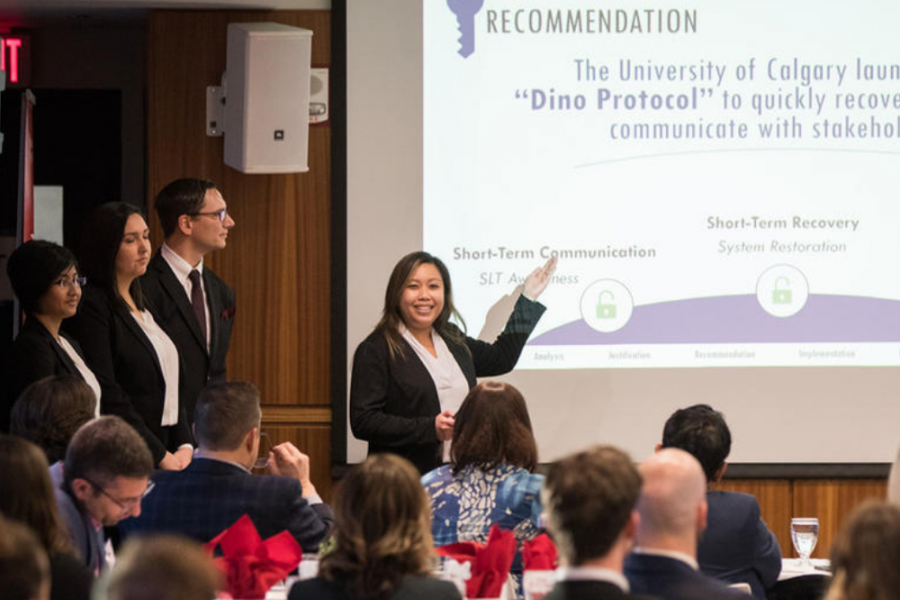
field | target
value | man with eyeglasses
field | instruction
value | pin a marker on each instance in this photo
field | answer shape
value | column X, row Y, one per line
column 195, row 307
column 106, row 473
column 217, row 488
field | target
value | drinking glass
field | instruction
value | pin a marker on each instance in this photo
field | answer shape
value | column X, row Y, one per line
column 804, row 535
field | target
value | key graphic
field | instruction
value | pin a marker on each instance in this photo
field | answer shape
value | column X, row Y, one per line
column 465, row 11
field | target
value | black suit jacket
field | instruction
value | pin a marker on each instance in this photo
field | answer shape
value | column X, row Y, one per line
column 393, row 401
column 210, row 495
column 736, row 545
column 672, row 579
column 127, row 367
column 202, row 366
column 588, row 590
column 35, row 355
column 412, row 587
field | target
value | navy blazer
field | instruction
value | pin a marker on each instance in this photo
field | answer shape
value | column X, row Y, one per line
column 672, row 579
column 736, row 545
column 393, row 400
column 202, row 365
column 126, row 365
column 210, row 495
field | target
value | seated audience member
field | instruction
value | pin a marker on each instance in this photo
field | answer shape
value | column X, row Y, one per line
column 26, row 496
column 50, row 411
column 737, row 546
column 162, row 567
column 590, row 500
column 105, row 475
column 382, row 542
column 45, row 279
column 490, row 480
column 24, row 572
column 672, row 509
column 866, row 554
column 217, row 488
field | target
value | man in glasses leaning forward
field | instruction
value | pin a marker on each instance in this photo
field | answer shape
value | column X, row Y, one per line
column 195, row 307
column 105, row 475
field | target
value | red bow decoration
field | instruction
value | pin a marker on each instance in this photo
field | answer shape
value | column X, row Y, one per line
column 490, row 563
column 539, row 554
column 251, row 565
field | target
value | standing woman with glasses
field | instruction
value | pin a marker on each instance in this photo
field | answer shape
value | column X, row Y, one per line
column 46, row 281
column 136, row 362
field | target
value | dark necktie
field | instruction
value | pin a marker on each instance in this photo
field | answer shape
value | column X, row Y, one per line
column 197, row 301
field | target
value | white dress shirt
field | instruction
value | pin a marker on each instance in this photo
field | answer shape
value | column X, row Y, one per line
column 89, row 378
column 593, row 574
column 168, row 361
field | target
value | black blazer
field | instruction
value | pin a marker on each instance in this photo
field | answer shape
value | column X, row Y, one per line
column 588, row 589
column 672, row 579
column 202, row 366
column 127, row 367
column 412, row 587
column 393, row 401
column 36, row 355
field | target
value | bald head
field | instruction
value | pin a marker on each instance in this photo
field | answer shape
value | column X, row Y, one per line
column 673, row 500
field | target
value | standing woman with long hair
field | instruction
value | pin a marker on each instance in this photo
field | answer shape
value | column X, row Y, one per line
column 27, row 497
column 136, row 362
column 412, row 373
column 382, row 539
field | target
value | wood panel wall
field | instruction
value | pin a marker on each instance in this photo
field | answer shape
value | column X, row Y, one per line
column 278, row 256
column 829, row 500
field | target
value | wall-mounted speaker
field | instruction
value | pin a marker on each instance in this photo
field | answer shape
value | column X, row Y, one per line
column 267, row 98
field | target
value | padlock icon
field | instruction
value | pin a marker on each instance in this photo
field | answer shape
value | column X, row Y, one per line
column 782, row 293
column 606, row 310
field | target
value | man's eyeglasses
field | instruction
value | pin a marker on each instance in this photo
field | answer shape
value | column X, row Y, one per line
column 126, row 505
column 65, row 282
column 219, row 214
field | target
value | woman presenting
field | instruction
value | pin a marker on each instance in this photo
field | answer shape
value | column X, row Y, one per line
column 414, row 370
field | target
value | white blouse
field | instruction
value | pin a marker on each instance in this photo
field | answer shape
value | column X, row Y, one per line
column 449, row 380
column 167, row 354
column 89, row 378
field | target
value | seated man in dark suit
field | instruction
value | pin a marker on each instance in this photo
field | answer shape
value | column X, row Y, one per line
column 217, row 488
column 589, row 498
column 195, row 307
column 736, row 546
column 672, row 509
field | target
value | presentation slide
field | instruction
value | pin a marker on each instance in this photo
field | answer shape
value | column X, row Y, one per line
column 717, row 179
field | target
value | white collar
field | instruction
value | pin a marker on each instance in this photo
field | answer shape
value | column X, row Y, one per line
column 593, row 574
column 199, row 454
column 673, row 554
column 181, row 267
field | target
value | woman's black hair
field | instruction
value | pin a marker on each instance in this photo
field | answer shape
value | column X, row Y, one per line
column 33, row 267
column 100, row 241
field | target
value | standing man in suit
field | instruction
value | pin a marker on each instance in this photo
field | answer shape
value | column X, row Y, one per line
column 590, row 502
column 672, row 509
column 737, row 546
column 217, row 488
column 195, row 307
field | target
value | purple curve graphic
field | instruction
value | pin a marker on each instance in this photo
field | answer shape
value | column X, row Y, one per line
column 741, row 320
column 465, row 11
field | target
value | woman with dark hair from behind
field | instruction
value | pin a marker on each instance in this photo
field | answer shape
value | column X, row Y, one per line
column 491, row 478
column 50, row 411
column 865, row 557
column 382, row 545
column 46, row 281
column 27, row 497
column 136, row 362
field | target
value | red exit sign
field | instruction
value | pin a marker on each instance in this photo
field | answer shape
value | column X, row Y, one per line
column 15, row 50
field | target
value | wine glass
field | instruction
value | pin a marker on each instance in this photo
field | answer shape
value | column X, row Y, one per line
column 804, row 535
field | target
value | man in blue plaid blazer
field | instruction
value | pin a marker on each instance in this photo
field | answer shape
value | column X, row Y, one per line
column 217, row 488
